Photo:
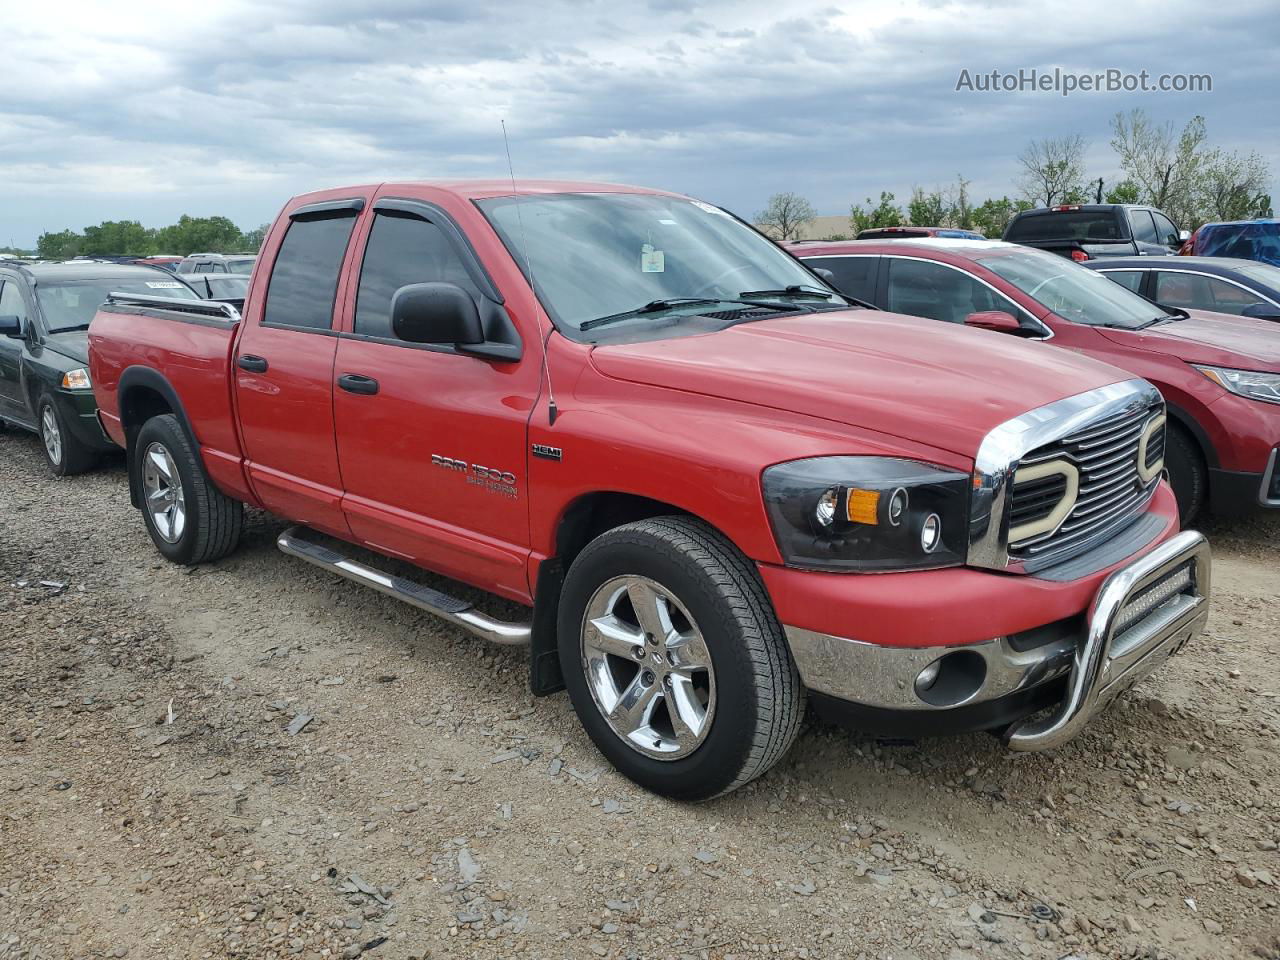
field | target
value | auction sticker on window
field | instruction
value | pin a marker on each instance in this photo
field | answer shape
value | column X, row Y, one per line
column 164, row 285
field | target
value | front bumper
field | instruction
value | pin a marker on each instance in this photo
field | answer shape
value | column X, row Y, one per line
column 80, row 413
column 1143, row 612
column 1233, row 493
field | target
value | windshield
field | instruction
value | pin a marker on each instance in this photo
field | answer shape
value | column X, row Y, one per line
column 71, row 305
column 244, row 265
column 1072, row 291
column 596, row 255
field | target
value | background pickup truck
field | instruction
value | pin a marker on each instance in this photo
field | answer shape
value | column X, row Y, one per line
column 717, row 487
column 1085, row 231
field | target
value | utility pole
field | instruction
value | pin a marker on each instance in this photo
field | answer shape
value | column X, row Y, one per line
column 1099, row 190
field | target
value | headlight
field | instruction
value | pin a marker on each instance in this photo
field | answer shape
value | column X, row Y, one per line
column 1245, row 383
column 868, row 513
column 76, row 379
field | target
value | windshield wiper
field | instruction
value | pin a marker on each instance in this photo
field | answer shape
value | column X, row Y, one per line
column 670, row 303
column 71, row 329
column 1167, row 318
column 795, row 290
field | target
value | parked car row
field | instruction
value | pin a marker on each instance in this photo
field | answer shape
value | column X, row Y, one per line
column 1218, row 374
column 45, row 310
column 717, row 485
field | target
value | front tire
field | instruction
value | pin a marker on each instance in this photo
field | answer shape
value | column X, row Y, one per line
column 675, row 661
column 65, row 454
column 1187, row 473
column 189, row 519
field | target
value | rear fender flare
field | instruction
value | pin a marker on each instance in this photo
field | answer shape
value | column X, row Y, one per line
column 145, row 378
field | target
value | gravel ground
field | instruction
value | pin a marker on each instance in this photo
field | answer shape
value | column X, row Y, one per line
column 252, row 759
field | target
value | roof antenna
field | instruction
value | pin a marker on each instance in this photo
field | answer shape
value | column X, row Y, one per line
column 552, row 411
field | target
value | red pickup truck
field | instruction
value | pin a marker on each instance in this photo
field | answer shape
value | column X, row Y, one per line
column 719, row 487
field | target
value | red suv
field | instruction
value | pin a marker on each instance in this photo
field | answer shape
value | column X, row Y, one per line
column 1220, row 374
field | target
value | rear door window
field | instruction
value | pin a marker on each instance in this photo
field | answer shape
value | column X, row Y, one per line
column 1174, row 289
column 403, row 249
column 1144, row 228
column 855, row 276
column 304, row 280
column 1165, row 228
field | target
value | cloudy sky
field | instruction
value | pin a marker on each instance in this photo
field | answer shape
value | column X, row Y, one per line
column 113, row 110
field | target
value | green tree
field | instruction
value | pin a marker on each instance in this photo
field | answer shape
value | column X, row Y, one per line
column 959, row 206
column 1126, row 191
column 992, row 216
column 59, row 246
column 926, row 209
column 125, row 237
column 200, row 235
column 1165, row 165
column 251, row 240
column 885, row 214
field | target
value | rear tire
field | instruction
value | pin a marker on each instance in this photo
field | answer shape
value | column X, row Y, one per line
column 65, row 454
column 1187, row 473
column 704, row 700
column 189, row 519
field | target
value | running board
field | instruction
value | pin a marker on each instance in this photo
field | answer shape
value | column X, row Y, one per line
column 458, row 612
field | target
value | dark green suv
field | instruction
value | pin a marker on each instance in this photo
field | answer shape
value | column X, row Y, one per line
column 45, row 309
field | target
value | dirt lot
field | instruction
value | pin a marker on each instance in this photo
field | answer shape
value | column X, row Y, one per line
column 160, row 801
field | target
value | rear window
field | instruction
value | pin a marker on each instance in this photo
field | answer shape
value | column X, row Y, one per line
column 304, row 280
column 1082, row 225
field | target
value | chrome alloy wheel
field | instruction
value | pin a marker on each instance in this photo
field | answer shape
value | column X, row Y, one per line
column 51, row 435
column 648, row 667
column 162, row 488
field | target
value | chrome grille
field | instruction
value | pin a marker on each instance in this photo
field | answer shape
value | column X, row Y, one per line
column 1105, row 453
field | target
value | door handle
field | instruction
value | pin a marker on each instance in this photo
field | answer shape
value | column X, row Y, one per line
column 356, row 383
column 251, row 363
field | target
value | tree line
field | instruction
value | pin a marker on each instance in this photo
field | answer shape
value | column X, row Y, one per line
column 131, row 239
column 1175, row 170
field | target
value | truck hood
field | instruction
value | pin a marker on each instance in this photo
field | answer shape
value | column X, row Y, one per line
column 1221, row 339
column 73, row 344
column 917, row 379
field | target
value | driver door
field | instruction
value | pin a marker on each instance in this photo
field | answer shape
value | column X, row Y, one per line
column 13, row 404
column 432, row 443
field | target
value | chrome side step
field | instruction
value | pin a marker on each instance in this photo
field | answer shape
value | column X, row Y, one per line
column 458, row 612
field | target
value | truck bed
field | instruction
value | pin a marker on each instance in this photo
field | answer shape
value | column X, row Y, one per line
column 192, row 340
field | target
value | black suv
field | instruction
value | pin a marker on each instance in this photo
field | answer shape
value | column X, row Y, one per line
column 45, row 311
column 1085, row 231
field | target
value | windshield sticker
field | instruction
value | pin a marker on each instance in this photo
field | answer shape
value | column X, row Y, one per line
column 164, row 284
column 708, row 208
column 651, row 260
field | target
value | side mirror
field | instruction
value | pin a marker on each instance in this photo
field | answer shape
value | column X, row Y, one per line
column 996, row 320
column 11, row 325
column 435, row 313
column 1259, row 311
column 826, row 275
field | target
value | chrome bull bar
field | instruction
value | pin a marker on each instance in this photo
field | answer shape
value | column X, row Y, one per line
column 1142, row 614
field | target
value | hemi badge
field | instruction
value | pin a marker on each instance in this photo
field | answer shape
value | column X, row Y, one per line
column 547, row 452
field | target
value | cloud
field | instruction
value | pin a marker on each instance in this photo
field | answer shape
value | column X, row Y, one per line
column 110, row 111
